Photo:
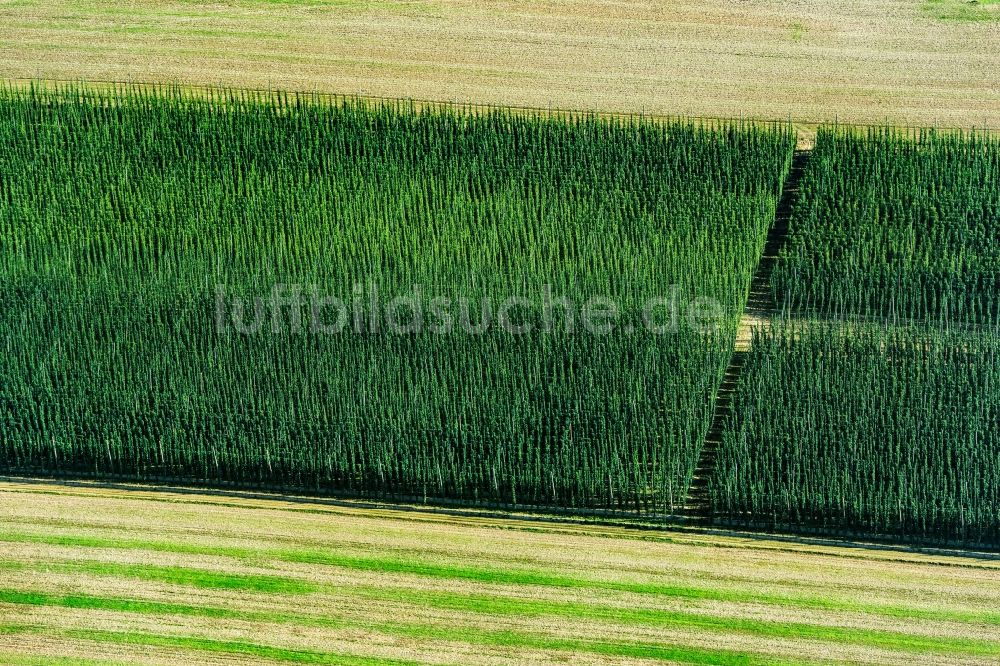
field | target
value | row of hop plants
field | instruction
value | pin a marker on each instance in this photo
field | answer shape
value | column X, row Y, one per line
column 128, row 218
column 867, row 428
column 871, row 404
column 898, row 225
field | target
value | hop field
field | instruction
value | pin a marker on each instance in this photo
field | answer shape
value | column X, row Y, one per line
column 869, row 429
column 870, row 404
column 128, row 220
column 163, row 254
column 896, row 225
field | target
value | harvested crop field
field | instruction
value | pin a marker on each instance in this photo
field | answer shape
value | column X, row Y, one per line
column 113, row 575
column 898, row 61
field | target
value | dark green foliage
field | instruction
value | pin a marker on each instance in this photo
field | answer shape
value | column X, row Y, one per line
column 886, row 430
column 873, row 403
column 896, row 226
column 119, row 216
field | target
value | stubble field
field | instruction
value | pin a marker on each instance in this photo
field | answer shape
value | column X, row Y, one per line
column 897, row 61
column 109, row 575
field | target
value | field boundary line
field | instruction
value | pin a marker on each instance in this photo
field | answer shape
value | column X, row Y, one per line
column 758, row 310
column 554, row 111
column 521, row 520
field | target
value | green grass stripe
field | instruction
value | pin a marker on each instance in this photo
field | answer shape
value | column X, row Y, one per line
column 494, row 605
column 509, row 576
column 426, row 632
column 185, row 576
column 206, row 645
column 534, row 577
column 27, row 660
column 233, row 647
column 119, row 604
column 635, row 650
column 87, row 541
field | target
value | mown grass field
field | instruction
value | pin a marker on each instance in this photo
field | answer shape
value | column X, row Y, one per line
column 98, row 576
column 924, row 62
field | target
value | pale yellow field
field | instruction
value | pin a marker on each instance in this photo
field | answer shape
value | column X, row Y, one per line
column 98, row 576
column 859, row 61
